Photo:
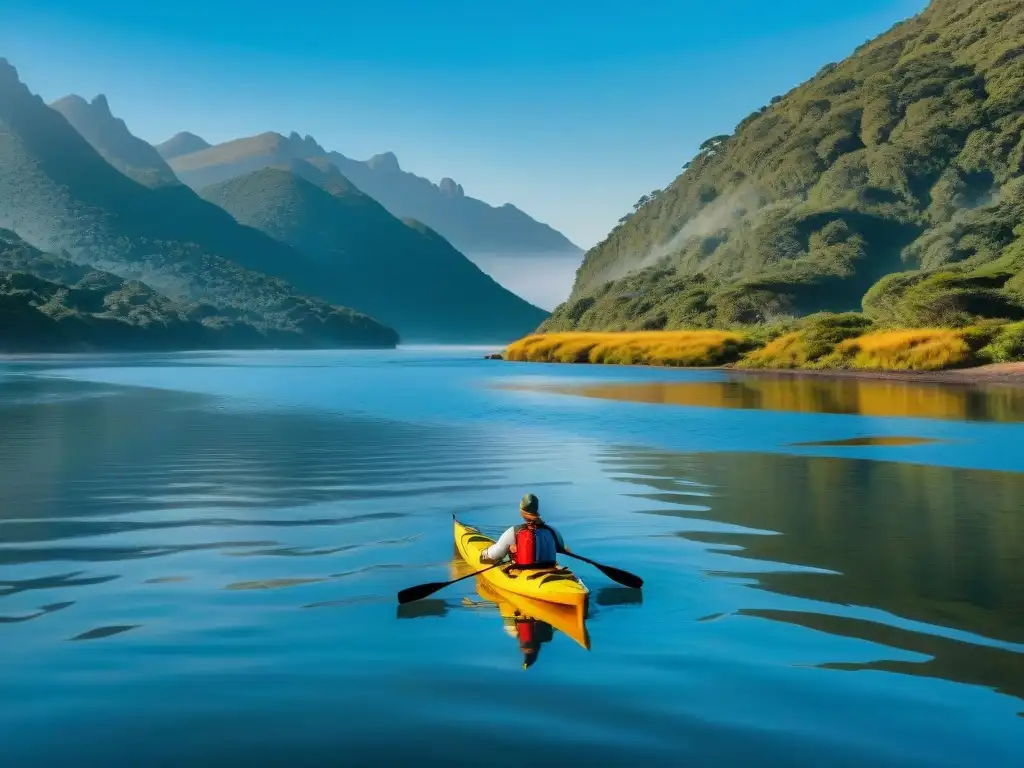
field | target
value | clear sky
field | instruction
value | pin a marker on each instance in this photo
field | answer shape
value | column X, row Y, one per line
column 570, row 109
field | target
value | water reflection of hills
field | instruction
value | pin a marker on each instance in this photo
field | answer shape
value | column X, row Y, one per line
column 929, row 544
column 865, row 397
column 994, row 668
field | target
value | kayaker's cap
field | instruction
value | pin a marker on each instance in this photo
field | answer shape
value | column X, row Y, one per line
column 530, row 505
column 529, row 657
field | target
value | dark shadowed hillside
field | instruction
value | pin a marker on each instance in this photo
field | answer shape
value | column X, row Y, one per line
column 110, row 137
column 403, row 273
column 896, row 173
column 472, row 226
column 60, row 195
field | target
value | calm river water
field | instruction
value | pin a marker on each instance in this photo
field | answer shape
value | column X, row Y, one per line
column 199, row 556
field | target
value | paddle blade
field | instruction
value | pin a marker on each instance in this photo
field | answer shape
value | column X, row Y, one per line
column 411, row 594
column 625, row 578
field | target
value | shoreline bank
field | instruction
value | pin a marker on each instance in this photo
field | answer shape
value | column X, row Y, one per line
column 1003, row 374
column 825, row 348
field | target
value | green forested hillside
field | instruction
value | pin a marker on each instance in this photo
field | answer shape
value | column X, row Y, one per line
column 892, row 181
column 50, row 304
column 402, row 273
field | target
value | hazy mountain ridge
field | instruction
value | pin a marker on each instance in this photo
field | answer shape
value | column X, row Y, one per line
column 470, row 225
column 401, row 272
column 891, row 179
column 182, row 143
column 62, row 196
column 110, row 137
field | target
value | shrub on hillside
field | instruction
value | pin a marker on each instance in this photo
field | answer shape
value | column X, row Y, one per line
column 1006, row 346
column 927, row 349
column 815, row 337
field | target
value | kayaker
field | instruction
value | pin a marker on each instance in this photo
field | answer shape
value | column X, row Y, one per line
column 532, row 544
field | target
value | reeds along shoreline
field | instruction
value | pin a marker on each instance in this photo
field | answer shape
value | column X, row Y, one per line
column 923, row 349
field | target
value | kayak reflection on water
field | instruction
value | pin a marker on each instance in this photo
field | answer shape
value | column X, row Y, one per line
column 530, row 622
column 531, row 633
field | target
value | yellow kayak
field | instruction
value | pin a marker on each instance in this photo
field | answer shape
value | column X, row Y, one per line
column 567, row 619
column 558, row 585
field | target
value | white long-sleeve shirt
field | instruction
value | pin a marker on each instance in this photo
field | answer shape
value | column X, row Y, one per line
column 503, row 545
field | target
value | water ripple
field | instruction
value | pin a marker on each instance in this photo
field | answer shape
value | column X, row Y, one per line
column 160, row 551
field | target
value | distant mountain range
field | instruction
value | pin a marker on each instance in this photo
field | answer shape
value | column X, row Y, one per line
column 61, row 196
column 401, row 272
column 76, row 183
column 471, row 225
column 183, row 143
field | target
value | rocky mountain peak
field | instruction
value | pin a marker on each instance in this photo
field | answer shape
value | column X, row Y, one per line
column 100, row 104
column 450, row 188
column 386, row 161
column 10, row 83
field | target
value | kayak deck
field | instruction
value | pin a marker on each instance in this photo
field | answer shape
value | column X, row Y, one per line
column 559, row 585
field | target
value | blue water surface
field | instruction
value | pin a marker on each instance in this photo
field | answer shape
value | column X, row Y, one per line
column 199, row 556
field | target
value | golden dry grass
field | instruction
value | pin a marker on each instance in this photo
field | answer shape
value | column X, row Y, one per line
column 928, row 349
column 670, row 348
column 922, row 349
column 788, row 351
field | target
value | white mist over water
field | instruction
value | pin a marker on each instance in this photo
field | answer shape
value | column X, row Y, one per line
column 544, row 281
column 547, row 280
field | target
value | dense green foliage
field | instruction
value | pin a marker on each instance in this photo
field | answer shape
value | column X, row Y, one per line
column 403, row 273
column 470, row 225
column 906, row 157
column 59, row 193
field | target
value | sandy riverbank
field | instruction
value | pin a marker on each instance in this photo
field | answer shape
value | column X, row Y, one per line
column 1011, row 374
column 1007, row 374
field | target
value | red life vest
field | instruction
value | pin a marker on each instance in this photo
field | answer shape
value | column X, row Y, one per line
column 526, row 544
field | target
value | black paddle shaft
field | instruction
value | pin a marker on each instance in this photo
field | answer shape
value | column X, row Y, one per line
column 411, row 594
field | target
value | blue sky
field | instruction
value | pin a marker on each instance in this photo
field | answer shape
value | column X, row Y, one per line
column 571, row 110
